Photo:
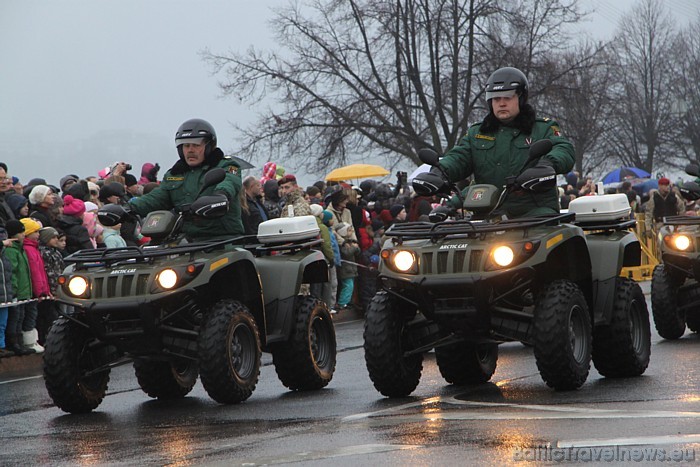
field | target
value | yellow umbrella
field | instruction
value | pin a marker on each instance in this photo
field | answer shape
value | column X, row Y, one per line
column 356, row 171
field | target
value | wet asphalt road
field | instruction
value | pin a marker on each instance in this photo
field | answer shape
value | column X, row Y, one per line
column 513, row 418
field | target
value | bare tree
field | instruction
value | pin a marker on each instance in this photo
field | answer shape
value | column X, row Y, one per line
column 385, row 78
column 640, row 129
column 687, row 95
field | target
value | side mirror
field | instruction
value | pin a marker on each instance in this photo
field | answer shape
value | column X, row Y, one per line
column 440, row 214
column 539, row 149
column 693, row 169
column 211, row 178
column 428, row 156
column 690, row 191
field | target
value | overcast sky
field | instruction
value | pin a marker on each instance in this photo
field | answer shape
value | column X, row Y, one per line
column 84, row 83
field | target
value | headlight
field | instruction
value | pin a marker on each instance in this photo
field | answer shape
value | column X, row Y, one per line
column 503, row 255
column 167, row 279
column 78, row 286
column 680, row 242
column 404, row 261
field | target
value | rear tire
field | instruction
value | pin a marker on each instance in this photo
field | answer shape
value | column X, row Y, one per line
column 623, row 347
column 392, row 373
column 668, row 319
column 307, row 360
column 229, row 352
column 66, row 359
column 165, row 380
column 563, row 336
column 464, row 363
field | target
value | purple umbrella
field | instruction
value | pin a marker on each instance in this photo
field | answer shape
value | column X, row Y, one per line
column 622, row 173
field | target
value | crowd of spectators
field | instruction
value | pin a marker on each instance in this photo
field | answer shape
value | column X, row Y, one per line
column 40, row 224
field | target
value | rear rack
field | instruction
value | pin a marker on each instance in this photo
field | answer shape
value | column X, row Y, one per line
column 611, row 225
column 460, row 228
column 681, row 220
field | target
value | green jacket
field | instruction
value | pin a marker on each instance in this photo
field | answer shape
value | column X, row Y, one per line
column 326, row 247
column 180, row 186
column 21, row 276
column 492, row 156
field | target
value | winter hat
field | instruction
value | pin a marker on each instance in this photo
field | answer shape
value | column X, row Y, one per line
column 377, row 224
column 68, row 178
column 72, row 206
column 36, row 181
column 269, row 170
column 46, row 234
column 396, row 209
column 286, row 179
column 386, row 216
column 130, row 180
column 16, row 202
column 93, row 187
column 111, row 189
column 14, row 227
column 342, row 229
column 90, row 206
column 316, row 210
column 30, row 225
column 15, row 180
column 38, row 193
column 327, row 216
column 664, row 181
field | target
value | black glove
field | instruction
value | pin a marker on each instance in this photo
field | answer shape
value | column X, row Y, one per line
column 430, row 183
column 540, row 178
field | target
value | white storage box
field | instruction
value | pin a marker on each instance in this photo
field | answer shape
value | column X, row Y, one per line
column 600, row 208
column 288, row 229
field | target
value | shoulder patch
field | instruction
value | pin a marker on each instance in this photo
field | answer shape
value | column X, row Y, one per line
column 556, row 130
column 174, row 179
column 232, row 169
column 486, row 137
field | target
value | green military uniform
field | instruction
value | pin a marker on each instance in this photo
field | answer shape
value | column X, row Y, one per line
column 180, row 186
column 491, row 157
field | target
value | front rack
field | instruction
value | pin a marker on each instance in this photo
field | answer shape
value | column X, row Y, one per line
column 681, row 220
column 458, row 228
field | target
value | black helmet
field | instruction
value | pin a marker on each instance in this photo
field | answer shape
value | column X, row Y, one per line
column 507, row 79
column 196, row 131
column 111, row 214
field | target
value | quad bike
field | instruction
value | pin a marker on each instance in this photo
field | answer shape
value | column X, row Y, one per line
column 675, row 294
column 178, row 310
column 464, row 286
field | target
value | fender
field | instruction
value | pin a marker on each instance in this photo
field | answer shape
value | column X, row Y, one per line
column 281, row 277
column 610, row 252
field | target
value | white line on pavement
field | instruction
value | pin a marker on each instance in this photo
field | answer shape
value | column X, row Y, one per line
column 637, row 440
column 21, row 379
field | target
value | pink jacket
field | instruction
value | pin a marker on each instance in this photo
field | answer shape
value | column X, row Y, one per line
column 40, row 282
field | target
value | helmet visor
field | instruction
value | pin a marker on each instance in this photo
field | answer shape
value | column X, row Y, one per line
column 491, row 94
column 179, row 141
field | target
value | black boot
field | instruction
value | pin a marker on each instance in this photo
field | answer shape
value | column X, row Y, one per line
column 14, row 343
column 6, row 353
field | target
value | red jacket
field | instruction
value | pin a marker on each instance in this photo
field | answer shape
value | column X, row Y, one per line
column 40, row 281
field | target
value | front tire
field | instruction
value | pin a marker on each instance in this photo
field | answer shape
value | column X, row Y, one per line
column 563, row 336
column 392, row 373
column 307, row 360
column 66, row 360
column 464, row 363
column 669, row 321
column 165, row 380
column 229, row 352
column 623, row 347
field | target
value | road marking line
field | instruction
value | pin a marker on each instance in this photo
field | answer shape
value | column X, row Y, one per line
column 521, row 412
column 637, row 440
column 21, row 379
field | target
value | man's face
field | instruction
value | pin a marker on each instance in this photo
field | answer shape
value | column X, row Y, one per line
column 134, row 189
column 401, row 216
column 5, row 181
column 194, row 153
column 287, row 188
column 254, row 189
column 505, row 108
column 664, row 189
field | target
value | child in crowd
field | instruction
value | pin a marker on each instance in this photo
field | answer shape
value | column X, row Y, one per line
column 5, row 291
column 350, row 252
column 53, row 260
column 328, row 220
column 21, row 286
column 71, row 221
column 40, row 284
column 112, row 237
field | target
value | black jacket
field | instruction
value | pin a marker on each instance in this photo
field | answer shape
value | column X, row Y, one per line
column 77, row 237
column 254, row 217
